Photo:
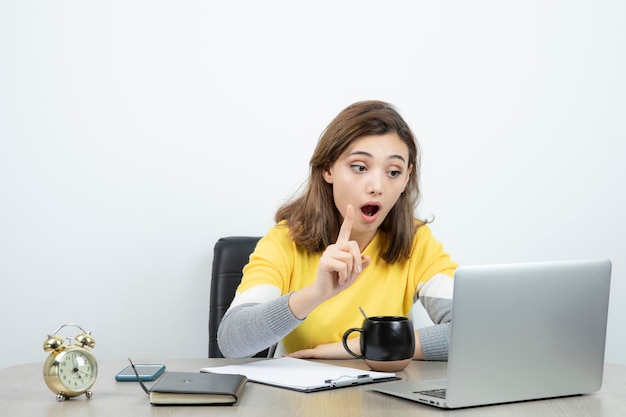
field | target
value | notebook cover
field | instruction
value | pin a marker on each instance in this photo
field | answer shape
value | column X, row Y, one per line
column 197, row 388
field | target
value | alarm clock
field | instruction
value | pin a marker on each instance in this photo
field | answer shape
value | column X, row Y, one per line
column 71, row 369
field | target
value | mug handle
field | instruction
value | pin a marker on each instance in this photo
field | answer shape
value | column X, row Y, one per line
column 345, row 342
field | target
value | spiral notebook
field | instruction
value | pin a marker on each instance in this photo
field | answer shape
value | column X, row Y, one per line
column 303, row 375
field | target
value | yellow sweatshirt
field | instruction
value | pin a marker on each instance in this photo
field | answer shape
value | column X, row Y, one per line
column 278, row 267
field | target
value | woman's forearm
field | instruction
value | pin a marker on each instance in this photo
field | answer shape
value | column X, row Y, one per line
column 250, row 328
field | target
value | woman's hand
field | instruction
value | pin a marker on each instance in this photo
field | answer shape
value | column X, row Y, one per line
column 337, row 351
column 328, row 351
column 340, row 265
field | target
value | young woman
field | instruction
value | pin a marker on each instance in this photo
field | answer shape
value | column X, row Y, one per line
column 349, row 240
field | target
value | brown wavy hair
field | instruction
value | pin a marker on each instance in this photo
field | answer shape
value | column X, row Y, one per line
column 312, row 217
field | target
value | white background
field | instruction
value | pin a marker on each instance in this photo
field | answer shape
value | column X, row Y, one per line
column 134, row 134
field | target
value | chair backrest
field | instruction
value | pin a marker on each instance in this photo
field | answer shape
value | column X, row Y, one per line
column 230, row 255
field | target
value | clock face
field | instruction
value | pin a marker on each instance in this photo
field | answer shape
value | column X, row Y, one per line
column 77, row 370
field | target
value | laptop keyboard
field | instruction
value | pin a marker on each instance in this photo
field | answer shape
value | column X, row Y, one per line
column 438, row 393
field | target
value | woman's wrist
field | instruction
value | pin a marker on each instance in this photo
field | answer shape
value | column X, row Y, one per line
column 303, row 302
column 419, row 353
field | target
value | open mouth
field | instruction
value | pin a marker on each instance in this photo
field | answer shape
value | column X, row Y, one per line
column 370, row 210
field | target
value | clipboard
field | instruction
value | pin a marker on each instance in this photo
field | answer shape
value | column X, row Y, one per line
column 303, row 375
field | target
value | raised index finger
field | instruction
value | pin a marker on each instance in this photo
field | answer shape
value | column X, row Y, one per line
column 346, row 226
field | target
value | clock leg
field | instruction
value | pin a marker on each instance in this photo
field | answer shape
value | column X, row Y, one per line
column 88, row 394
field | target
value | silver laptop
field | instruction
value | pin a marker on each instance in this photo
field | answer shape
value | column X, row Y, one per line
column 521, row 332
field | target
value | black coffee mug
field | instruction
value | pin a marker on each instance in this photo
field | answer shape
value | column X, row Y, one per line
column 387, row 342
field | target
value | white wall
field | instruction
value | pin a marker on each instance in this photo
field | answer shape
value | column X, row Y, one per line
column 133, row 134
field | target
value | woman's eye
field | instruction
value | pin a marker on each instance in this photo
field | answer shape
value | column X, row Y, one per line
column 358, row 168
column 394, row 173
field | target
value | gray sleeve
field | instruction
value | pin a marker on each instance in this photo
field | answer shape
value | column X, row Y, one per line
column 250, row 328
column 435, row 339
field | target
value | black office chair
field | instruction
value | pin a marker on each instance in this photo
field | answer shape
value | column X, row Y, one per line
column 230, row 255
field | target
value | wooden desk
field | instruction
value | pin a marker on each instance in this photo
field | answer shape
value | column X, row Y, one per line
column 24, row 393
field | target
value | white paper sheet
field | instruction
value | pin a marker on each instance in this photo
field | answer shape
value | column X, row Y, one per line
column 302, row 375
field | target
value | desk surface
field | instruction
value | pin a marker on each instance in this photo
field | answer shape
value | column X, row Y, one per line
column 24, row 393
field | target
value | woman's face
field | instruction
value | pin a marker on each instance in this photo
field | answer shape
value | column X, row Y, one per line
column 370, row 175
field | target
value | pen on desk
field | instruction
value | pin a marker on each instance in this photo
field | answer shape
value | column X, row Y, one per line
column 346, row 380
column 147, row 391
